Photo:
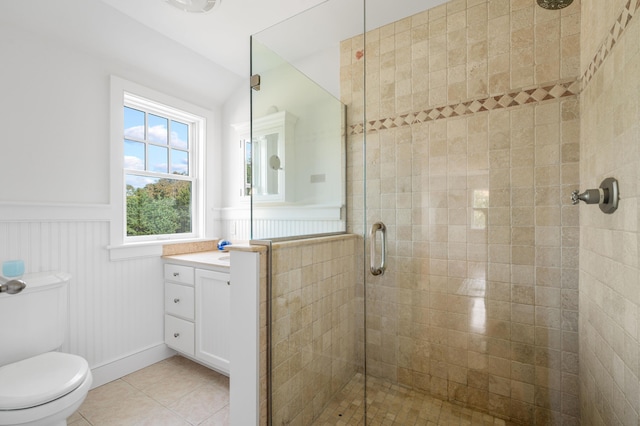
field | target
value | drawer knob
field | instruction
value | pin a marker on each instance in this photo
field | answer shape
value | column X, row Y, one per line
column 176, row 274
column 176, row 335
column 176, row 300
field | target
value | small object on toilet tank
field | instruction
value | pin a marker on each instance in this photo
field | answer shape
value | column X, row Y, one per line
column 13, row 268
column 222, row 245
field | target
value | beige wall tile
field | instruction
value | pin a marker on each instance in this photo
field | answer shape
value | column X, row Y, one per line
column 502, row 273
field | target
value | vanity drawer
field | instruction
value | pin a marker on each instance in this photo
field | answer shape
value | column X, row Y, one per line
column 178, row 273
column 179, row 300
column 179, row 334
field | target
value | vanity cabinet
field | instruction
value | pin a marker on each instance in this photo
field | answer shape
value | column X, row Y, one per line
column 213, row 314
column 196, row 320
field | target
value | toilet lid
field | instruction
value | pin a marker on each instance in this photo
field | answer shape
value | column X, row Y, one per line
column 40, row 379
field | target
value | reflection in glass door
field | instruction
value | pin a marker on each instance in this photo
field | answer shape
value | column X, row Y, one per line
column 298, row 148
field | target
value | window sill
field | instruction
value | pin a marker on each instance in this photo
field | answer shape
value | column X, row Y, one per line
column 143, row 249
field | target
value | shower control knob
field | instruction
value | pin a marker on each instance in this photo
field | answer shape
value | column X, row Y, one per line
column 176, row 300
column 176, row 335
column 590, row 196
column 606, row 196
column 574, row 197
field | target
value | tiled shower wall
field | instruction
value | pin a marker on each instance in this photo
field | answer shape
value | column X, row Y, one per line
column 313, row 325
column 472, row 151
column 609, row 275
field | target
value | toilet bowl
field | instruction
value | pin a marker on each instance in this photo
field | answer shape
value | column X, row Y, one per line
column 43, row 390
column 39, row 386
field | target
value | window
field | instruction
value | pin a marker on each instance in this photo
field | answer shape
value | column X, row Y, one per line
column 158, row 174
column 157, row 179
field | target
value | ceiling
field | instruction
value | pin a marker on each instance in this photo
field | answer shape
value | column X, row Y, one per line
column 222, row 35
column 210, row 51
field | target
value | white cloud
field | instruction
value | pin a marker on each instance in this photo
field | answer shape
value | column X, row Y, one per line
column 140, row 181
column 158, row 134
column 176, row 142
column 133, row 163
column 158, row 167
column 136, row 132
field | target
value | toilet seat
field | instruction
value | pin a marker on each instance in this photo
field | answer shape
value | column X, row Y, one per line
column 40, row 379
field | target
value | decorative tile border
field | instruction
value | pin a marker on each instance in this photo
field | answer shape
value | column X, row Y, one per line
column 507, row 100
column 616, row 31
column 516, row 98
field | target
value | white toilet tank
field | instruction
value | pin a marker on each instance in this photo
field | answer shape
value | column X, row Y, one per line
column 35, row 320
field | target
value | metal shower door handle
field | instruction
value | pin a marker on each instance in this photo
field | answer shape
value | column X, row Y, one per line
column 378, row 270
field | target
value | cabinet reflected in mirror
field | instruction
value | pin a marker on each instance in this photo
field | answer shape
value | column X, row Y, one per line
column 266, row 176
column 269, row 159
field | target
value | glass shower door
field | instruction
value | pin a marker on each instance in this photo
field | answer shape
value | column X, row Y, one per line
column 296, row 163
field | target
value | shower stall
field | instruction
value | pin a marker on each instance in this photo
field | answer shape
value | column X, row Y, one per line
column 411, row 164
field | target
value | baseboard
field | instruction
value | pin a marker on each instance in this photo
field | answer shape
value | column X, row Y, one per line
column 128, row 364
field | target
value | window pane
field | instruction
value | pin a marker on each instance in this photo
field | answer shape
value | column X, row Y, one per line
column 179, row 162
column 158, row 129
column 179, row 135
column 133, row 124
column 133, row 155
column 157, row 206
column 158, row 159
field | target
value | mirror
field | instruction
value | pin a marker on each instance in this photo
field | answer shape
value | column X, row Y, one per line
column 266, row 156
column 265, row 178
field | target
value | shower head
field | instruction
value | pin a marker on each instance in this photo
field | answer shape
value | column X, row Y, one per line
column 554, row 4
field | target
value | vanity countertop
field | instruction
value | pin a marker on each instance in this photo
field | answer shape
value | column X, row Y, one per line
column 216, row 259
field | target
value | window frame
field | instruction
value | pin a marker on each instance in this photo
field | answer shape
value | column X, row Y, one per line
column 125, row 93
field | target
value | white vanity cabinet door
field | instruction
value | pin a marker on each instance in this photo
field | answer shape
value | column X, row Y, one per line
column 178, row 273
column 179, row 300
column 212, row 318
column 179, row 334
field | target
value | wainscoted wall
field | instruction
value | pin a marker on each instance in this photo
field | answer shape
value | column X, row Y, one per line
column 63, row 157
column 116, row 308
column 472, row 150
column 609, row 268
column 276, row 222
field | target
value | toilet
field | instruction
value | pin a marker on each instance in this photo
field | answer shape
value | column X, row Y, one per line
column 39, row 386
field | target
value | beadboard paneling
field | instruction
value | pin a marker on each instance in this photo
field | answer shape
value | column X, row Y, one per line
column 116, row 308
column 240, row 229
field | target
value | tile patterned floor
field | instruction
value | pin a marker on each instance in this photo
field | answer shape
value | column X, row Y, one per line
column 180, row 392
column 392, row 405
column 175, row 391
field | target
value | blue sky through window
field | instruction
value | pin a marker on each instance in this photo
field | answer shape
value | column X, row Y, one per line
column 179, row 135
column 142, row 156
column 133, row 123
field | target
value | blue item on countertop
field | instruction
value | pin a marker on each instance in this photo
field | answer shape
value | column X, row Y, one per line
column 13, row 268
column 222, row 244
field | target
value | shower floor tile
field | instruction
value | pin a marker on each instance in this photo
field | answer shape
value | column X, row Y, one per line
column 394, row 405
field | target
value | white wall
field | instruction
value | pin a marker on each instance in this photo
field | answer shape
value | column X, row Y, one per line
column 55, row 110
column 235, row 111
column 54, row 166
column 55, row 115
